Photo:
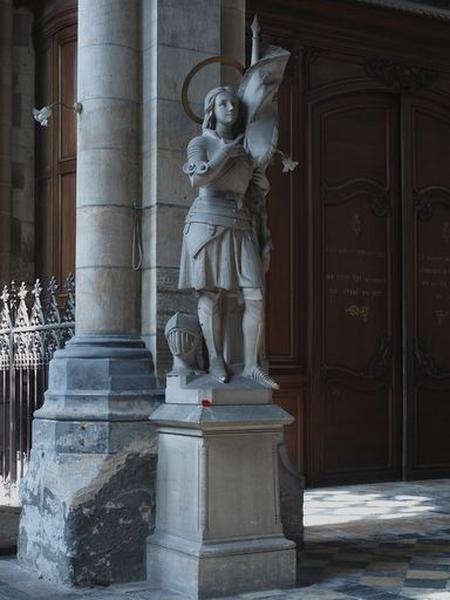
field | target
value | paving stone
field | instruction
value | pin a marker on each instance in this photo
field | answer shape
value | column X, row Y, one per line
column 437, row 584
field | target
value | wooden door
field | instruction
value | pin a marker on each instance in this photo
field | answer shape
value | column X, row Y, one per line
column 357, row 304
column 427, row 299
column 356, row 382
column 56, row 56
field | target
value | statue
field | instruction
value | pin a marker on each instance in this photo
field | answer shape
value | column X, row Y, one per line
column 226, row 240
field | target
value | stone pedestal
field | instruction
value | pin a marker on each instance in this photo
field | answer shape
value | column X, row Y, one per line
column 88, row 497
column 218, row 527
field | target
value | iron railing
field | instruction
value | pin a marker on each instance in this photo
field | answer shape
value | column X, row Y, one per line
column 32, row 326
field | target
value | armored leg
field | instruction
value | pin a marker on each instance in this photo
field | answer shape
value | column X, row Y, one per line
column 209, row 315
column 252, row 330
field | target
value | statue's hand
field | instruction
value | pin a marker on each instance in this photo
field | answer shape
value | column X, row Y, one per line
column 265, row 258
column 260, row 180
column 234, row 148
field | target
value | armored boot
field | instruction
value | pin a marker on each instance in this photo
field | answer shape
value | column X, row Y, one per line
column 252, row 329
column 209, row 316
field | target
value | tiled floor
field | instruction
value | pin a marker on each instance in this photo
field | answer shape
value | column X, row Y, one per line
column 368, row 542
column 378, row 541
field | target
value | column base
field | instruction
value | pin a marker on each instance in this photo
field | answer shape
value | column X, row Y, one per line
column 86, row 515
column 88, row 496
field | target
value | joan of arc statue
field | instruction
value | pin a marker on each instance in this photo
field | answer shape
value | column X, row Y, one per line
column 226, row 241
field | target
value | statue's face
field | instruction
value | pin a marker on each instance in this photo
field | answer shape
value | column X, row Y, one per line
column 226, row 108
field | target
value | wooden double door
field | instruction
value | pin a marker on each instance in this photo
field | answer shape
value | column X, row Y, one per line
column 381, row 360
column 359, row 292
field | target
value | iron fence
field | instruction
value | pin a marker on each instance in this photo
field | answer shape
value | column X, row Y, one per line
column 32, row 326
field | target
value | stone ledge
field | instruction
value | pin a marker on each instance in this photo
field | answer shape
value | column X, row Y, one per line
column 239, row 390
column 246, row 417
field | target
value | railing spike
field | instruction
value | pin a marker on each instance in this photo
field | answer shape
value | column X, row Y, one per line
column 52, row 313
column 69, row 307
column 29, row 336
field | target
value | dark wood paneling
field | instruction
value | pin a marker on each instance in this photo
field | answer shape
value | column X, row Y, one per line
column 67, row 223
column 285, row 297
column 427, row 203
column 67, row 48
column 44, row 153
column 56, row 51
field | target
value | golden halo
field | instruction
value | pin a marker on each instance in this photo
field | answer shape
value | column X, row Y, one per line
column 226, row 60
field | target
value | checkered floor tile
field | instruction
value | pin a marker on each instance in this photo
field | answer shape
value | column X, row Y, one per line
column 367, row 542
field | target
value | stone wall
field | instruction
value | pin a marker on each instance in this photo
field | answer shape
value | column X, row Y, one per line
column 22, row 148
column 232, row 38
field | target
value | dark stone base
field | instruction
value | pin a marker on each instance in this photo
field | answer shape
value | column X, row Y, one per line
column 86, row 517
column 88, row 496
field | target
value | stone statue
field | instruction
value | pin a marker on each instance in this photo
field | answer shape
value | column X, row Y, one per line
column 218, row 477
column 226, row 241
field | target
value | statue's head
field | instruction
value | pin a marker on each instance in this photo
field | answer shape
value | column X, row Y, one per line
column 222, row 105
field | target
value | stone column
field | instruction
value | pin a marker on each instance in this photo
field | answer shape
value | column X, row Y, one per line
column 107, row 173
column 6, row 30
column 88, row 494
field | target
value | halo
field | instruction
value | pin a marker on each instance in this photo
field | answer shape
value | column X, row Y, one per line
column 226, row 60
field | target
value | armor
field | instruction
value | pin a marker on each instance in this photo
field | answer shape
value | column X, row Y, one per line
column 220, row 228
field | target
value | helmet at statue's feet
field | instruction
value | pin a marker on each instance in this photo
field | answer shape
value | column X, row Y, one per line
column 258, row 374
column 218, row 369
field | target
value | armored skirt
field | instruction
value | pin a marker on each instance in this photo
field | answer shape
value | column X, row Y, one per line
column 220, row 247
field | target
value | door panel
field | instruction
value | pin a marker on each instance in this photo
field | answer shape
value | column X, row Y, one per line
column 56, row 57
column 427, row 188
column 355, row 189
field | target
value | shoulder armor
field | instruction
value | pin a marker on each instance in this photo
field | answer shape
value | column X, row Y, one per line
column 197, row 160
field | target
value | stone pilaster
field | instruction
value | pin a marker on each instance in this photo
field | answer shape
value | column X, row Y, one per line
column 6, row 32
column 176, row 36
column 232, row 38
column 88, row 494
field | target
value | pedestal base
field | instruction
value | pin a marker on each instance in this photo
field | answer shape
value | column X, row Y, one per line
column 218, row 528
column 222, row 569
